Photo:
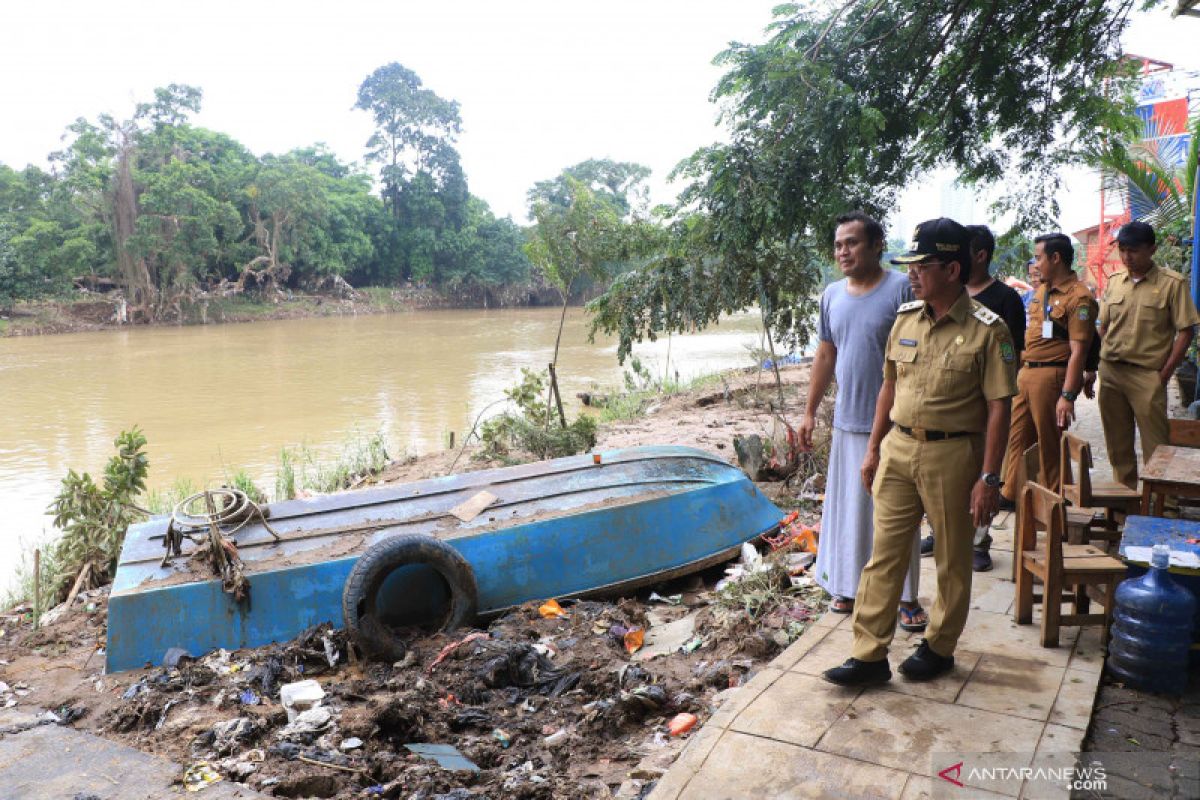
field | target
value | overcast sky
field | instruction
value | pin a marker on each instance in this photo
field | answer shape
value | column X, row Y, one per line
column 542, row 85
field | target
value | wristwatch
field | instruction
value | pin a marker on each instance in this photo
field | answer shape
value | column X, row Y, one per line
column 990, row 479
column 1070, row 395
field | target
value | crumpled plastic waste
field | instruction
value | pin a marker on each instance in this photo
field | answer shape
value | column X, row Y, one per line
column 520, row 665
column 175, row 655
column 229, row 734
column 200, row 776
column 550, row 609
column 299, row 697
column 308, row 722
column 644, row 699
column 681, row 724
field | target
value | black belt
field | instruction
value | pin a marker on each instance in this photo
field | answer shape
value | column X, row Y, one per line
column 1037, row 364
column 931, row 436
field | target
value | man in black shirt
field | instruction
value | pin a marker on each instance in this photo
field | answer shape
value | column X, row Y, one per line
column 1004, row 301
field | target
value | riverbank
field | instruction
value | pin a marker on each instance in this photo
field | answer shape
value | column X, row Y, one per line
column 99, row 312
column 605, row 737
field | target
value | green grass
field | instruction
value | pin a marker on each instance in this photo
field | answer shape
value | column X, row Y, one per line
column 301, row 469
column 641, row 391
column 163, row 501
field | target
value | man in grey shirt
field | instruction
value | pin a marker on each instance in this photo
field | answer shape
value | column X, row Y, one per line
column 856, row 316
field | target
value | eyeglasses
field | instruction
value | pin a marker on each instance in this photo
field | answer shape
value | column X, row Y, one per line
column 923, row 266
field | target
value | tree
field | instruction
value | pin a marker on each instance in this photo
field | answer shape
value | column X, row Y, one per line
column 577, row 241
column 100, row 164
column 841, row 108
column 414, row 128
column 620, row 183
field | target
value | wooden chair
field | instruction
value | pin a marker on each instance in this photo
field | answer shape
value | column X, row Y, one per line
column 1081, row 569
column 1081, row 522
column 1184, row 432
column 1114, row 500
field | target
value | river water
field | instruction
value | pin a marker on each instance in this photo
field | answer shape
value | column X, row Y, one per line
column 214, row 399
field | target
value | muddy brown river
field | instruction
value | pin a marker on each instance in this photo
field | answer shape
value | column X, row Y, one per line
column 215, row 399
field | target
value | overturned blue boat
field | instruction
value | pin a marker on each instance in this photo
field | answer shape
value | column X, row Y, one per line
column 571, row 527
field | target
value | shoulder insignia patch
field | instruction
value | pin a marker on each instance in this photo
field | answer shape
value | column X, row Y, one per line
column 984, row 314
column 910, row 306
column 1006, row 352
column 1084, row 313
column 1172, row 274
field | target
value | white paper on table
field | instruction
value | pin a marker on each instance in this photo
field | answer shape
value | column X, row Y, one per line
column 1179, row 558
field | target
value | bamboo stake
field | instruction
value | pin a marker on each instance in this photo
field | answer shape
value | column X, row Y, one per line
column 37, row 587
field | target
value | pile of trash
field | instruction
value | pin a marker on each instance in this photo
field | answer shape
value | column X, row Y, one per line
column 555, row 699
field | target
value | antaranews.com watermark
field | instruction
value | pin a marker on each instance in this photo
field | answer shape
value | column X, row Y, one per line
column 961, row 775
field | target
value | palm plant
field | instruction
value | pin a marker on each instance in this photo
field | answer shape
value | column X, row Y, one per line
column 1139, row 170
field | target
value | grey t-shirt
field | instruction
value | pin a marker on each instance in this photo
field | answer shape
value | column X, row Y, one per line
column 858, row 327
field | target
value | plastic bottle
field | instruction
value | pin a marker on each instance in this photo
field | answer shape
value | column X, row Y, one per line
column 1152, row 629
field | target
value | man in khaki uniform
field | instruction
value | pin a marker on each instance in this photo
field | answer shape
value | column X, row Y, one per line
column 1062, row 322
column 948, row 377
column 1147, row 322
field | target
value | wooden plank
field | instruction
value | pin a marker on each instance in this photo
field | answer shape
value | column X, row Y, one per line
column 469, row 509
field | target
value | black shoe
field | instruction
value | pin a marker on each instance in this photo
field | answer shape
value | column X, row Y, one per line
column 859, row 673
column 925, row 664
column 1006, row 504
column 927, row 546
column 982, row 561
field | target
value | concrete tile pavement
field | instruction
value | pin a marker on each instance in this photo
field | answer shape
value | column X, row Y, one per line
column 1009, row 702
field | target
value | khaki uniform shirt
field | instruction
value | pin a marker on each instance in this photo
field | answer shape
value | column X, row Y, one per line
column 1072, row 308
column 1143, row 317
column 946, row 371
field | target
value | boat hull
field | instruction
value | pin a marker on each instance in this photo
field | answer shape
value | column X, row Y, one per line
column 562, row 528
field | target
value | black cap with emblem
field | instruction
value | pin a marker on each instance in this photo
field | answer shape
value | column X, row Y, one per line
column 938, row 238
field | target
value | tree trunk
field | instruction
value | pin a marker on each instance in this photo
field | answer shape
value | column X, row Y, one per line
column 134, row 272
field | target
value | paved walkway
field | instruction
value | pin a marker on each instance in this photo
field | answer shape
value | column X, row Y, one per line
column 48, row 762
column 789, row 734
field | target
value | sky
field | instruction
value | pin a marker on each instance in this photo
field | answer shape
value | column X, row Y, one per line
column 542, row 85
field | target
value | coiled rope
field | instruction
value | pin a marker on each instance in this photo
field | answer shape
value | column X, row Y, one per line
column 226, row 511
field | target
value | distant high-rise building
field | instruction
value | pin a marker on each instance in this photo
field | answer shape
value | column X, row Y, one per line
column 958, row 202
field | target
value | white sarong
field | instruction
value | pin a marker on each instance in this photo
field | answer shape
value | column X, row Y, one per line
column 846, row 528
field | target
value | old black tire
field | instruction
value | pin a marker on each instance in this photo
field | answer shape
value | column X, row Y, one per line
column 359, row 598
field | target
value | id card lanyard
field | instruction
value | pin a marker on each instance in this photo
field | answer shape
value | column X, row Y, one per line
column 1047, row 325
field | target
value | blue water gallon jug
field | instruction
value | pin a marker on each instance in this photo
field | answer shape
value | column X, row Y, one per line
column 1152, row 629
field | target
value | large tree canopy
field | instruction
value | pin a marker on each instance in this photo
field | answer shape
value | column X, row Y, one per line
column 621, row 184
column 841, row 108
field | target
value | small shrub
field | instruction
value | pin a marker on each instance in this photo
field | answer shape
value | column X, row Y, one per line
column 527, row 428
column 94, row 517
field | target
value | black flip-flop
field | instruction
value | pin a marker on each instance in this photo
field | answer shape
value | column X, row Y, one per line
column 846, row 605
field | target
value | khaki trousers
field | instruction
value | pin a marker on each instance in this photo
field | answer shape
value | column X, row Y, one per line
column 1038, row 390
column 915, row 478
column 1130, row 394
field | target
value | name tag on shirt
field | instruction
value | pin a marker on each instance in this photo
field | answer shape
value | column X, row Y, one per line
column 1047, row 330
column 909, row 342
